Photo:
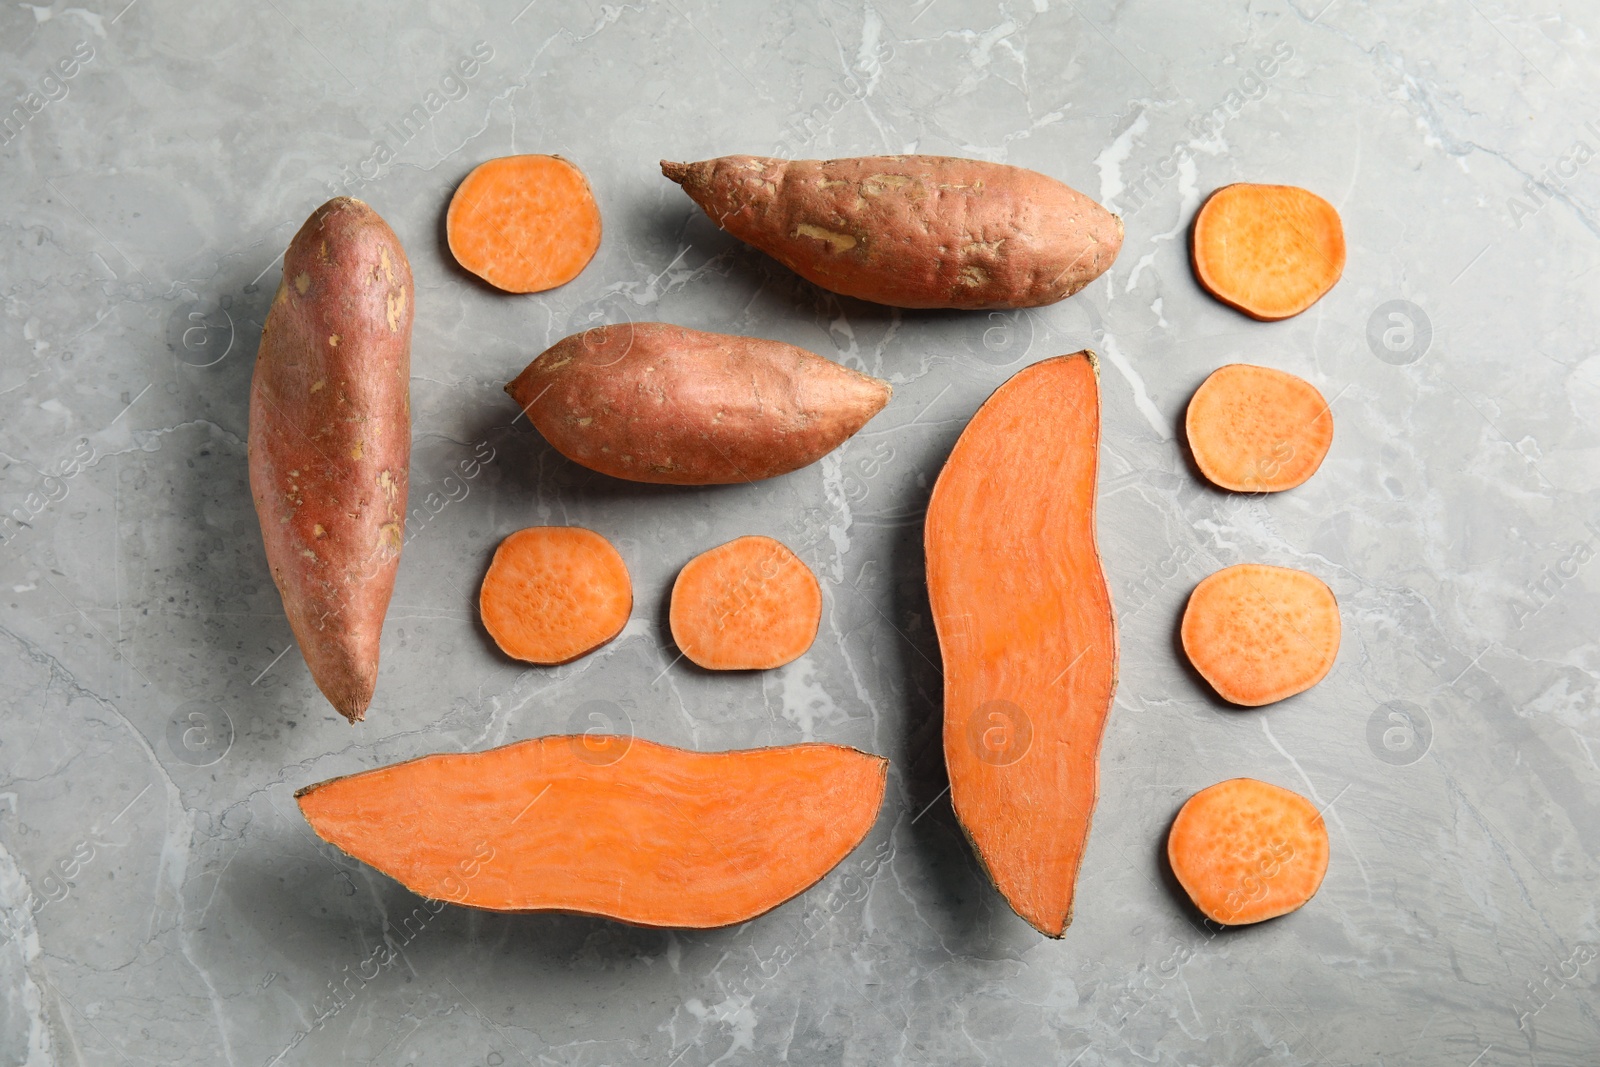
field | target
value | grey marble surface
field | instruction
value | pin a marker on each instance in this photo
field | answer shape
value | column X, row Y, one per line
column 164, row 903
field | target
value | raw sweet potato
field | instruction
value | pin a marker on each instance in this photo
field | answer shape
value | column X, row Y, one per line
column 1258, row 430
column 554, row 593
column 1269, row 250
column 330, row 440
column 1026, row 630
column 1259, row 634
column 748, row 605
column 911, row 231
column 524, row 223
column 658, row 837
column 1246, row 851
column 652, row 402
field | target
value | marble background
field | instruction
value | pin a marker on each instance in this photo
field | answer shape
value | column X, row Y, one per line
column 162, row 901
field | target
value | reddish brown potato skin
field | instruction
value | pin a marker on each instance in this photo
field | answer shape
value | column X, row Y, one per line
column 911, row 231
column 330, row 440
column 653, row 402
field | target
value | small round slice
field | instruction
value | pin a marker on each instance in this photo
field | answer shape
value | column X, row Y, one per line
column 1259, row 633
column 1246, row 851
column 524, row 223
column 750, row 604
column 554, row 593
column 1269, row 250
column 1258, row 430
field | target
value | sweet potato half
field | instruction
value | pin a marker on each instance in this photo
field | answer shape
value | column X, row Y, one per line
column 652, row 402
column 1247, row 851
column 659, row 837
column 911, row 231
column 330, row 440
column 1026, row 630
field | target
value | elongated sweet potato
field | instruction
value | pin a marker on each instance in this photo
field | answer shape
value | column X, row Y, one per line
column 1260, row 634
column 652, row 402
column 1026, row 629
column 1256, row 429
column 911, row 231
column 658, row 837
column 330, row 440
column 1246, row 851
column 748, row 605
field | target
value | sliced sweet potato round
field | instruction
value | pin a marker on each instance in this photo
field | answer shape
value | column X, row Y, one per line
column 524, row 223
column 1258, row 430
column 1259, row 633
column 1246, row 850
column 554, row 593
column 750, row 604
column 1269, row 250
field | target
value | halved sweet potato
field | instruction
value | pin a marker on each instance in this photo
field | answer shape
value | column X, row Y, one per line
column 659, row 837
column 1026, row 630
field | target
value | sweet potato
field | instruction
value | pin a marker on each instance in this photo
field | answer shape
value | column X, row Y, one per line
column 652, row 402
column 1026, row 630
column 1259, row 634
column 1258, row 430
column 748, row 605
column 524, row 223
column 659, row 837
column 554, row 593
column 330, row 440
column 911, row 231
column 1270, row 251
column 1246, row 851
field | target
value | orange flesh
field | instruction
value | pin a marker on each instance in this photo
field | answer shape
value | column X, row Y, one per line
column 1245, row 850
column 1259, row 633
column 1269, row 250
column 747, row 605
column 648, row 834
column 554, row 593
column 1026, row 631
column 524, row 223
column 1255, row 429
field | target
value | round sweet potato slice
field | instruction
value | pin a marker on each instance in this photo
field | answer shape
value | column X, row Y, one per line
column 1259, row 633
column 1246, row 851
column 750, row 604
column 1258, row 430
column 1270, row 251
column 524, row 223
column 554, row 593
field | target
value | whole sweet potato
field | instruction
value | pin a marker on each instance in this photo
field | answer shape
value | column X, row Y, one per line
column 911, row 231
column 652, row 402
column 330, row 440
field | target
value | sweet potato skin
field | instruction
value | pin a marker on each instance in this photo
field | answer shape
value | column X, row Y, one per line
column 653, row 402
column 330, row 440
column 911, row 231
